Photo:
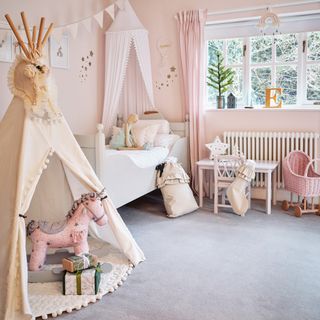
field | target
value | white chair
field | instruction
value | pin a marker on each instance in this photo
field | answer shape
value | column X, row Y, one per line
column 225, row 171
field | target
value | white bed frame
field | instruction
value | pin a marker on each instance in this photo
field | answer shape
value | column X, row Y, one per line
column 123, row 180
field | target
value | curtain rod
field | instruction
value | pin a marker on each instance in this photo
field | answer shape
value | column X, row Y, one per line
column 281, row 5
column 286, row 17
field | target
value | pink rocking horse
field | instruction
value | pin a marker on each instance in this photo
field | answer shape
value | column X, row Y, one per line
column 71, row 232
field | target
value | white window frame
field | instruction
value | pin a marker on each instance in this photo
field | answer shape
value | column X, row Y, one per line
column 301, row 64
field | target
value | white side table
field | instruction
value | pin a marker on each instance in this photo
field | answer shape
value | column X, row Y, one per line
column 265, row 167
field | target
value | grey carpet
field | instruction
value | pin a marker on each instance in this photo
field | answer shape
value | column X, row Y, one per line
column 207, row 267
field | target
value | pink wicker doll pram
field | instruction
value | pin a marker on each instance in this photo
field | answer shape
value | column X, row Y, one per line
column 301, row 178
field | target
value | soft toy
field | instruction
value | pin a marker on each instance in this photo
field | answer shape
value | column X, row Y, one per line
column 71, row 232
column 236, row 192
column 129, row 141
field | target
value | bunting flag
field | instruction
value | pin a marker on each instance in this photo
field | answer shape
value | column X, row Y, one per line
column 57, row 34
column 99, row 18
column 110, row 11
column 73, row 29
column 120, row 4
column 87, row 24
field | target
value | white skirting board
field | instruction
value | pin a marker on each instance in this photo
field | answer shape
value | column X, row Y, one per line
column 281, row 194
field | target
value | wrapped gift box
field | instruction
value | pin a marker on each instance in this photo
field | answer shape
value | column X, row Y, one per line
column 77, row 263
column 84, row 282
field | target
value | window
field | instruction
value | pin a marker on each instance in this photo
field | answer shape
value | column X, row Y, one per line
column 290, row 61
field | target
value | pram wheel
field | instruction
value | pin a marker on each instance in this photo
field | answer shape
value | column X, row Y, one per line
column 297, row 211
column 285, row 205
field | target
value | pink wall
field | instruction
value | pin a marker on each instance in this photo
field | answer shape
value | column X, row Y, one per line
column 82, row 102
column 158, row 18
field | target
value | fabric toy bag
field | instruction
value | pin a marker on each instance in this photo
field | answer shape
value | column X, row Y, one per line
column 174, row 185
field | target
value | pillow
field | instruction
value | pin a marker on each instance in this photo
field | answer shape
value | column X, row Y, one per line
column 118, row 138
column 143, row 135
column 164, row 126
column 165, row 140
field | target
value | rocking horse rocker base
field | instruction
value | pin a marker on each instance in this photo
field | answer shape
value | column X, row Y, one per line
column 72, row 232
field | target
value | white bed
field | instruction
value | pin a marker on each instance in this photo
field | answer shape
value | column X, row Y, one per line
column 128, row 175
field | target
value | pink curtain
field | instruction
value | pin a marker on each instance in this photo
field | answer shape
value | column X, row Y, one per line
column 191, row 39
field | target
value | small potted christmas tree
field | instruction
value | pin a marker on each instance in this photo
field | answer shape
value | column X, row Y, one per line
column 220, row 78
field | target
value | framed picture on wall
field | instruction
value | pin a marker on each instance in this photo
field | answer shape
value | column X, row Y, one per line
column 6, row 48
column 59, row 52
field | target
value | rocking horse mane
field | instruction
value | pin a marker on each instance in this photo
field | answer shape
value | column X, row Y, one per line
column 85, row 197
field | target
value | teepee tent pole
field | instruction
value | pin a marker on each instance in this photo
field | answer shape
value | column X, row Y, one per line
column 34, row 36
column 42, row 22
column 26, row 29
column 17, row 35
column 46, row 36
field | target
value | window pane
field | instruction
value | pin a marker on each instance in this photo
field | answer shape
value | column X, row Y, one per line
column 260, row 80
column 234, row 51
column 286, row 78
column 261, row 49
column 213, row 47
column 313, row 82
column 314, row 46
column 237, row 86
column 286, row 48
column 212, row 93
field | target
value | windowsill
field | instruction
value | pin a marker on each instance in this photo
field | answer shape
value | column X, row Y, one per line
column 284, row 108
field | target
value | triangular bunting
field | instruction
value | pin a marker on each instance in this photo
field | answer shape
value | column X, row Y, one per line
column 73, row 29
column 87, row 24
column 99, row 18
column 110, row 11
column 57, row 34
column 120, row 4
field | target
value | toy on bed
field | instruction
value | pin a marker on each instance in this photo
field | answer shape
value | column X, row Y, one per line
column 71, row 232
column 301, row 178
column 129, row 141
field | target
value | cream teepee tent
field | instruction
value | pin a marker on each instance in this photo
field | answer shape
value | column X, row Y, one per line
column 128, row 77
column 42, row 170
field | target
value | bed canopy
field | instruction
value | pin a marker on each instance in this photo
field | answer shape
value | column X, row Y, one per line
column 43, row 170
column 128, row 78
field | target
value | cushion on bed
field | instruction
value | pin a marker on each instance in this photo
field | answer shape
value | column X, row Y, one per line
column 165, row 140
column 118, row 138
column 164, row 126
column 144, row 135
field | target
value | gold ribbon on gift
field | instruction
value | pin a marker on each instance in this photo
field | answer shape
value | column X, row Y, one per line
column 78, row 280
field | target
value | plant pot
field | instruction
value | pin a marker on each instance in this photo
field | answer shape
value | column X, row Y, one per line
column 221, row 102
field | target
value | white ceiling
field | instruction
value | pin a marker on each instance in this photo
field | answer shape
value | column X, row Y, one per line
column 60, row 12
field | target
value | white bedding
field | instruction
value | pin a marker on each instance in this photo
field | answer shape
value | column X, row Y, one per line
column 141, row 158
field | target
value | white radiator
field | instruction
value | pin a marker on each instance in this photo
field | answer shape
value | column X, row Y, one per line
column 272, row 146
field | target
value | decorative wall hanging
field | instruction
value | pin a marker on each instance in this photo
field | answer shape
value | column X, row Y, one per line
column 163, row 46
column 273, row 98
column 269, row 23
column 217, row 147
column 6, row 48
column 59, row 52
column 86, row 64
column 72, row 28
column 168, row 79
